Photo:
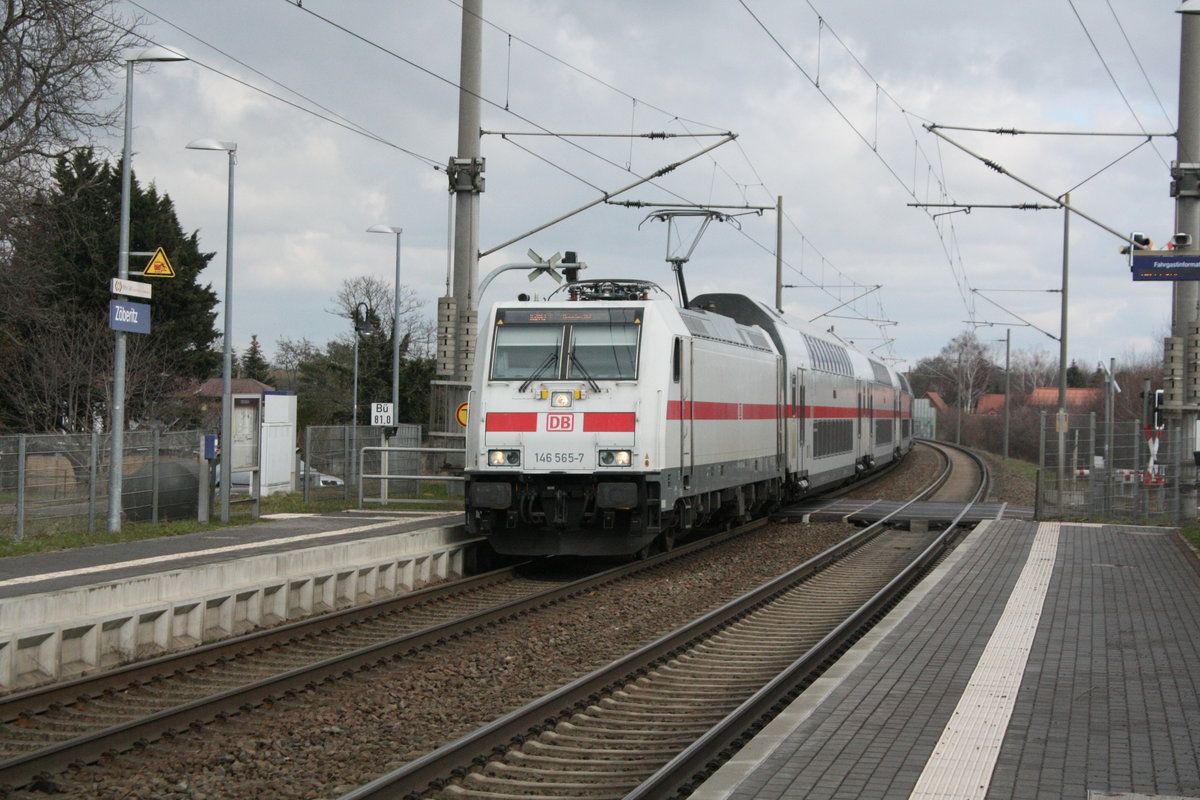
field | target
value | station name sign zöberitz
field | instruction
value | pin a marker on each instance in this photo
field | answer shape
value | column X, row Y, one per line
column 1165, row 265
column 129, row 317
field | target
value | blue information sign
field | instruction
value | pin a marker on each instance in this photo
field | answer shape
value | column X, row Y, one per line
column 126, row 316
column 1165, row 265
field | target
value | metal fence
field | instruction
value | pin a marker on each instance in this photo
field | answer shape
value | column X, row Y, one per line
column 52, row 482
column 1115, row 472
column 59, row 482
column 332, row 454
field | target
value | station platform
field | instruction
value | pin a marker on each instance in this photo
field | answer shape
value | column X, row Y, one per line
column 69, row 612
column 865, row 512
column 1038, row 661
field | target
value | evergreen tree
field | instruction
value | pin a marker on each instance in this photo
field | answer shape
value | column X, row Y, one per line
column 254, row 364
column 1075, row 377
column 57, row 292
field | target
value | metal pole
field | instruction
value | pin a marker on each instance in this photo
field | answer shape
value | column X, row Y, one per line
column 1007, row 375
column 117, row 423
column 466, row 226
column 1185, row 295
column 21, row 450
column 779, row 254
column 396, row 336
column 93, row 476
column 1061, row 422
column 116, row 467
column 227, row 362
column 354, row 407
column 1109, row 446
column 959, row 404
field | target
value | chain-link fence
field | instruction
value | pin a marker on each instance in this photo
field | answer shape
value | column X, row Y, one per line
column 1114, row 472
column 53, row 482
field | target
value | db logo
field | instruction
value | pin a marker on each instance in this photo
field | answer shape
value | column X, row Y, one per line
column 560, row 422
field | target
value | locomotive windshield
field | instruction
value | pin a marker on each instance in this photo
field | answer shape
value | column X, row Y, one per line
column 599, row 344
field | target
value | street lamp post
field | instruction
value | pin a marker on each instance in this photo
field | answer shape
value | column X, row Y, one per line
column 395, row 316
column 227, row 365
column 116, row 469
column 362, row 324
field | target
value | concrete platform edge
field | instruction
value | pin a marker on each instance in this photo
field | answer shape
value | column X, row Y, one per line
column 61, row 634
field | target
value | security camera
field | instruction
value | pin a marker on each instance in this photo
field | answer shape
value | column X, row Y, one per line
column 1181, row 240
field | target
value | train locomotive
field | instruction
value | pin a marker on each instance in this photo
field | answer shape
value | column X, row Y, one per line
column 609, row 421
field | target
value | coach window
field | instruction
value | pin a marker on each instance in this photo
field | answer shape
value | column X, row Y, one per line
column 525, row 351
column 604, row 351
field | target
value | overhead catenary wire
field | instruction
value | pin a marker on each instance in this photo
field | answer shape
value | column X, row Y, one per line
column 329, row 116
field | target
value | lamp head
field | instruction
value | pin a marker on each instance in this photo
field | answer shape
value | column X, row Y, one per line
column 211, row 144
column 153, row 53
column 385, row 229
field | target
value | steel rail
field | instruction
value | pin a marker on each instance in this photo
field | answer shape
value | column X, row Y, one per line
column 702, row 757
column 435, row 769
column 20, row 770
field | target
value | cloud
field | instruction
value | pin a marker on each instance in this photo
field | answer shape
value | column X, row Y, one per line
column 847, row 159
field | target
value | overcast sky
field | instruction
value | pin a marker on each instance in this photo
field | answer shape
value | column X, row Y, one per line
column 828, row 100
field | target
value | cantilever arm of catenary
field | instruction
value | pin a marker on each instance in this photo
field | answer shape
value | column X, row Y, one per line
column 998, row 168
column 729, row 137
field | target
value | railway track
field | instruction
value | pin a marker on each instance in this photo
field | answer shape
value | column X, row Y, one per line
column 43, row 730
column 79, row 721
column 658, row 720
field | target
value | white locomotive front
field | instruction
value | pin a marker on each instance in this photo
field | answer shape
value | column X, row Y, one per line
column 595, row 419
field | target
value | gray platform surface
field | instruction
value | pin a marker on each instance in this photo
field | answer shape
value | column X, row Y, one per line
column 855, row 510
column 47, row 572
column 972, row 690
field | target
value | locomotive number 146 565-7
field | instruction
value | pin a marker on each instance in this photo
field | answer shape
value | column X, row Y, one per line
column 558, row 458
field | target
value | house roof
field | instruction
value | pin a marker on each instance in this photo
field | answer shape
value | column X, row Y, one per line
column 212, row 387
column 1047, row 396
column 990, row 404
column 938, row 402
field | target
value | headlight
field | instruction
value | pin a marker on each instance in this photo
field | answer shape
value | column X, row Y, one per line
column 504, row 458
column 615, row 458
column 561, row 399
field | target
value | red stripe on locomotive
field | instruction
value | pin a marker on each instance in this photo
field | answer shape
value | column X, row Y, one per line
column 510, row 422
column 609, row 422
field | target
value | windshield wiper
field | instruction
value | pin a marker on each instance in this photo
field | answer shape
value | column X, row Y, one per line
column 574, row 360
column 550, row 359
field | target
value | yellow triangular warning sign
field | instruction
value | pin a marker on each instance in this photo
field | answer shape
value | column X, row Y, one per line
column 159, row 266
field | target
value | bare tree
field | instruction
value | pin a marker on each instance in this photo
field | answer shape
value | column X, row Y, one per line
column 289, row 355
column 56, row 65
column 377, row 294
column 1032, row 368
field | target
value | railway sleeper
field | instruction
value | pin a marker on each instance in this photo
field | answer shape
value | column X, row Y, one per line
column 669, row 689
column 584, row 733
column 543, row 761
column 609, row 722
column 579, row 774
column 697, row 680
column 613, row 709
column 705, row 654
column 654, row 700
column 619, row 754
column 525, row 789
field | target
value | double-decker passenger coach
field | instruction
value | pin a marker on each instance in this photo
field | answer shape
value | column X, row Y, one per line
column 607, row 420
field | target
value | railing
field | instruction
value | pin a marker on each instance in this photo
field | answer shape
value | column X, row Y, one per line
column 385, row 477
